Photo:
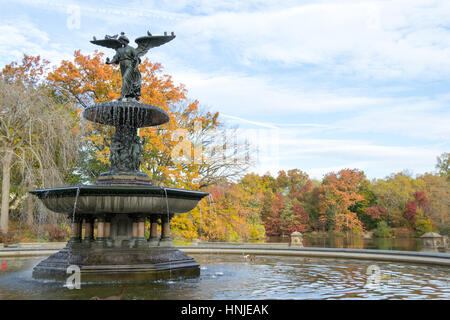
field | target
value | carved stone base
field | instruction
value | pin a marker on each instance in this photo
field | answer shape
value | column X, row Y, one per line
column 153, row 242
column 118, row 264
column 166, row 242
column 108, row 178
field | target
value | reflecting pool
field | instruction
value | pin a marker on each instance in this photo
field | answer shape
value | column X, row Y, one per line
column 265, row 277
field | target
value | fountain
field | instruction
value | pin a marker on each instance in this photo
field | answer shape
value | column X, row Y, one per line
column 121, row 200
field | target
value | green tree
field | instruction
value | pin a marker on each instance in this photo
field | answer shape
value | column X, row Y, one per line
column 437, row 191
column 382, row 230
column 361, row 207
column 443, row 165
column 393, row 193
column 423, row 225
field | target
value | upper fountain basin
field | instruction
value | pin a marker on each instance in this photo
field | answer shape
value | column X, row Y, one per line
column 126, row 113
column 119, row 199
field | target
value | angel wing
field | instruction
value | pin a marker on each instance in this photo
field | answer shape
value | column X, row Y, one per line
column 108, row 43
column 147, row 42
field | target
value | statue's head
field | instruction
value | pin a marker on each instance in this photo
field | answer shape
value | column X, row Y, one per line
column 123, row 39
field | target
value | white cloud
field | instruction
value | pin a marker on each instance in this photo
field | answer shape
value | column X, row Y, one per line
column 268, row 64
column 380, row 39
column 402, row 121
column 250, row 98
column 314, row 155
column 372, row 38
column 239, row 92
column 19, row 36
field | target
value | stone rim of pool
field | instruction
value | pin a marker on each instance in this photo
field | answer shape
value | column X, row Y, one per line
column 431, row 258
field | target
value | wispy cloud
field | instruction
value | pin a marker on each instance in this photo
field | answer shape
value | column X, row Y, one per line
column 19, row 36
column 379, row 39
column 314, row 156
column 242, row 120
column 241, row 92
column 250, row 98
column 371, row 38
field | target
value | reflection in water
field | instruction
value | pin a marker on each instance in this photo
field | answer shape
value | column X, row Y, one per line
column 355, row 242
column 231, row 277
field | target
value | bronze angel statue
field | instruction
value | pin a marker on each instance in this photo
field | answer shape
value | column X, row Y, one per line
column 129, row 59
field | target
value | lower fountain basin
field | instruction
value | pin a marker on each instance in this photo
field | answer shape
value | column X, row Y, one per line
column 101, row 199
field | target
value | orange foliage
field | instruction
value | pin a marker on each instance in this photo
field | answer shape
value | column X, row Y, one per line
column 88, row 80
column 338, row 193
column 30, row 71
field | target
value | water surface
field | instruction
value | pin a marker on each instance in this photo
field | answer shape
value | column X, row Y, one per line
column 232, row 277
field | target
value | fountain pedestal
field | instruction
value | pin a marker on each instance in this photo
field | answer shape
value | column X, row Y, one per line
column 113, row 246
column 117, row 264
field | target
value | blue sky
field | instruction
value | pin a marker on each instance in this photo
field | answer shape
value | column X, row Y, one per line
column 323, row 85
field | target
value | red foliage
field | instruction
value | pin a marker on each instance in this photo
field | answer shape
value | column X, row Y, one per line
column 420, row 202
column 411, row 211
column 278, row 203
column 376, row 212
column 273, row 221
column 215, row 192
column 301, row 219
column 272, row 224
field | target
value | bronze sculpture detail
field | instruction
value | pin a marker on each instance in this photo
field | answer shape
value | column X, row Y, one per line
column 129, row 59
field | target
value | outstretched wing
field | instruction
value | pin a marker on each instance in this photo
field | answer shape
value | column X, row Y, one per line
column 108, row 43
column 147, row 42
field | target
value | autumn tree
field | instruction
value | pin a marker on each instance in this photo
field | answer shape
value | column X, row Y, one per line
column 279, row 205
column 294, row 185
column 338, row 193
column 437, row 192
column 35, row 134
column 30, row 71
column 443, row 165
column 393, row 193
column 417, row 212
column 294, row 218
column 411, row 212
column 366, row 208
column 292, row 182
column 376, row 213
column 88, row 80
column 272, row 222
